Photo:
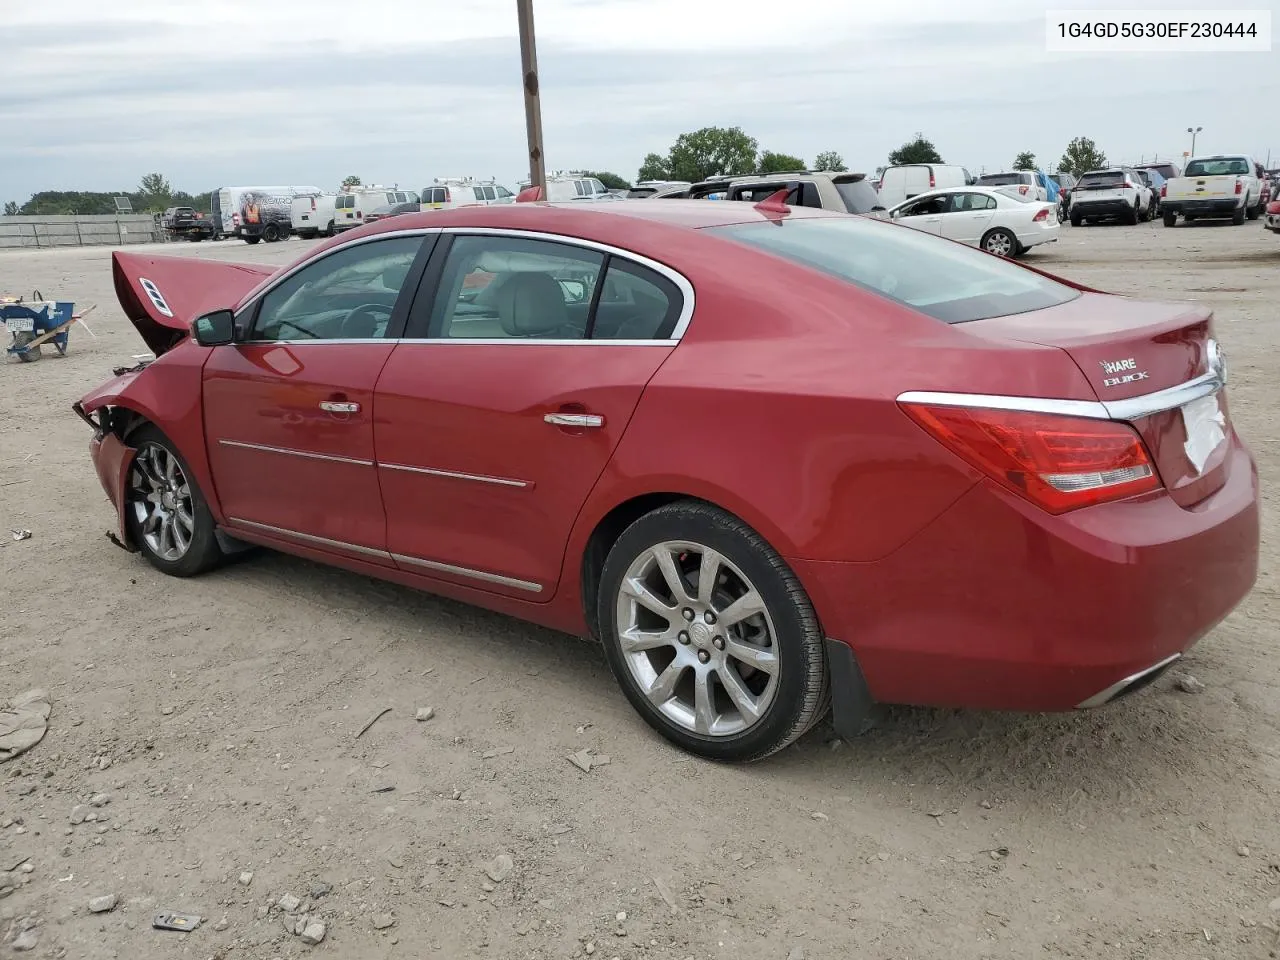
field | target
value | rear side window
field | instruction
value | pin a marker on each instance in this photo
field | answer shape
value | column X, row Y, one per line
column 858, row 196
column 941, row 279
column 1002, row 179
column 636, row 303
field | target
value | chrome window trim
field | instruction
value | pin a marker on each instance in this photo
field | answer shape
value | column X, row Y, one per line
column 456, row 475
column 395, row 557
column 264, row 448
column 270, row 283
column 680, row 280
column 1134, row 408
column 468, row 572
column 472, row 341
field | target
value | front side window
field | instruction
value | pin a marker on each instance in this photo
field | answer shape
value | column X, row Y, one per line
column 941, row 279
column 928, row 207
column 348, row 295
column 510, row 288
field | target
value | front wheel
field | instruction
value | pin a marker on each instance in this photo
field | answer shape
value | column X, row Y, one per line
column 1000, row 242
column 710, row 635
column 166, row 513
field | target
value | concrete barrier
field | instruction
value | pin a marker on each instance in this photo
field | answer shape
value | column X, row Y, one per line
column 116, row 231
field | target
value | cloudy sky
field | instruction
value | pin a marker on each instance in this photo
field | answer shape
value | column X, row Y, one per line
column 95, row 93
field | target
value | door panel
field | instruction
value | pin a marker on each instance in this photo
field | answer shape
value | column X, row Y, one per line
column 281, row 460
column 472, row 474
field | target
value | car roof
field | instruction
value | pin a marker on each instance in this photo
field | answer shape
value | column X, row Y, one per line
column 942, row 191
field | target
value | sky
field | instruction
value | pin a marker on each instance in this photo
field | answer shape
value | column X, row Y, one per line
column 94, row 94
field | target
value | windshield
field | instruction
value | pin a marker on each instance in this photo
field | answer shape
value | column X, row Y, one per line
column 1000, row 179
column 858, row 196
column 1218, row 167
column 945, row 280
column 1101, row 181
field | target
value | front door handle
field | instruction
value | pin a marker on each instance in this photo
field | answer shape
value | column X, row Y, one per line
column 333, row 406
column 575, row 419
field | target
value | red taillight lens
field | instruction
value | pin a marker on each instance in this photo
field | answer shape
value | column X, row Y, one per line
column 932, row 182
column 1057, row 462
column 1164, row 190
column 1239, row 187
column 313, row 203
column 1041, row 216
column 529, row 195
column 1022, row 189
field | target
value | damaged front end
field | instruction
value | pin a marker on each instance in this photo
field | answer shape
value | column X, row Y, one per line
column 112, row 459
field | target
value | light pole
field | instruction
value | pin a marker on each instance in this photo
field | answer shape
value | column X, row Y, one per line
column 532, row 105
column 1193, row 133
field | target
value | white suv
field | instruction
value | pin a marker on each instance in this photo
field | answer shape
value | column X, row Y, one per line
column 1024, row 182
column 1104, row 194
column 452, row 192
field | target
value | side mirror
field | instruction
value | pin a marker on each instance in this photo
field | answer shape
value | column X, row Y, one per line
column 215, row 329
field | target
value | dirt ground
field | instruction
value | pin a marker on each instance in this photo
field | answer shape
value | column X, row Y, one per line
column 220, row 715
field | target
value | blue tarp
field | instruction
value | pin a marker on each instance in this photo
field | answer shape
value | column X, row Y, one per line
column 1043, row 179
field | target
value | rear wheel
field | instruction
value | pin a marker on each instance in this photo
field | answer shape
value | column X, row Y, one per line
column 1237, row 216
column 1170, row 218
column 166, row 513
column 329, row 231
column 1131, row 217
column 710, row 634
column 271, row 233
column 1255, row 212
column 1076, row 219
column 1000, row 242
column 252, row 239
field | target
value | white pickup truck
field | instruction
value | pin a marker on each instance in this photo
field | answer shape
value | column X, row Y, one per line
column 1211, row 188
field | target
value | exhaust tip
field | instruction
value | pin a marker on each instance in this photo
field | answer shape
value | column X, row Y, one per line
column 1130, row 684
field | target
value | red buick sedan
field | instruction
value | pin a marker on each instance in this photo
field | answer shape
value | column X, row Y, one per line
column 774, row 459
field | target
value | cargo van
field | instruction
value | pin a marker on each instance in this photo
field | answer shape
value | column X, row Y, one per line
column 353, row 203
column 449, row 193
column 256, row 213
column 312, row 215
column 911, row 179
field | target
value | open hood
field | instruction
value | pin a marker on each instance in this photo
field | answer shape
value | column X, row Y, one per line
column 161, row 295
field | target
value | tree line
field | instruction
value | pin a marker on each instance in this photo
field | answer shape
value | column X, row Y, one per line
column 153, row 194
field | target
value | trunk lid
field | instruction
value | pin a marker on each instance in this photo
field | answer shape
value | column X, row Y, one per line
column 1202, row 188
column 1131, row 348
column 161, row 295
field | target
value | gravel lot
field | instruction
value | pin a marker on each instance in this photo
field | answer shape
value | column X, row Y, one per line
column 220, row 717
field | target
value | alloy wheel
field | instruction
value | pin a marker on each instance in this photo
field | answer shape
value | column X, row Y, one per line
column 999, row 244
column 160, row 497
column 697, row 639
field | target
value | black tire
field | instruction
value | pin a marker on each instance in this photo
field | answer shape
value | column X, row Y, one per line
column 1131, row 217
column 271, row 233
column 1237, row 217
column 202, row 553
column 1254, row 212
column 802, row 696
column 31, row 354
column 1170, row 218
column 1002, row 238
column 329, row 231
column 1076, row 219
column 252, row 239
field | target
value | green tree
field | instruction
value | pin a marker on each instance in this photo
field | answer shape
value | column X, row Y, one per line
column 156, row 191
column 11, row 209
column 610, row 180
column 771, row 162
column 654, row 167
column 1081, row 156
column 351, row 181
column 917, row 150
column 712, row 151
column 1026, row 160
column 830, row 160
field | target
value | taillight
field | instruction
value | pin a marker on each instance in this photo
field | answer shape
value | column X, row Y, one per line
column 1040, row 217
column 1164, row 190
column 1022, row 189
column 1239, row 186
column 1059, row 463
column 235, row 218
column 932, row 182
column 313, row 203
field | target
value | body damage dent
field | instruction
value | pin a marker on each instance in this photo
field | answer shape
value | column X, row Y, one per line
column 112, row 458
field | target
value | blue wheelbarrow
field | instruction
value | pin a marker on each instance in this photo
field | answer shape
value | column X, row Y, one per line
column 35, row 322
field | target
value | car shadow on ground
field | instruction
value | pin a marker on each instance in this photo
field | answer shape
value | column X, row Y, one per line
column 1088, row 756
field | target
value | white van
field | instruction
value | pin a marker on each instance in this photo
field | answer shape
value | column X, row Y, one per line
column 352, row 205
column 256, row 213
column 448, row 193
column 562, row 187
column 912, row 179
column 312, row 215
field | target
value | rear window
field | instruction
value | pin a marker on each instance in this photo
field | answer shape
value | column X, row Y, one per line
column 859, row 196
column 1000, row 179
column 1101, row 181
column 944, row 280
column 1224, row 167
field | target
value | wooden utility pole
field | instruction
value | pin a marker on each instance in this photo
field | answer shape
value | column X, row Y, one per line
column 532, row 105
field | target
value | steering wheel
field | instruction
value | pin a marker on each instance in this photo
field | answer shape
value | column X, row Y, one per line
column 367, row 314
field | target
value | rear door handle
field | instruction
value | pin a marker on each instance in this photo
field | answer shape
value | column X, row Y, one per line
column 333, row 406
column 575, row 419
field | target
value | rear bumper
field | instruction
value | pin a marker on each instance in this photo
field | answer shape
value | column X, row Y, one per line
column 1223, row 207
column 1102, row 208
column 998, row 605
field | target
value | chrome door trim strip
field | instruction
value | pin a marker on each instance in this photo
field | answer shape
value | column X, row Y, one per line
column 456, row 475
column 533, row 342
column 468, row 572
column 309, row 538
column 680, row 280
column 296, row 453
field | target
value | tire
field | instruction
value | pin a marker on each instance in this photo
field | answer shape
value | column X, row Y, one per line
column 1254, row 213
column 271, row 233
column 1076, row 219
column 156, row 526
column 32, row 354
column 1170, row 219
column 329, row 231
column 1237, row 217
column 1131, row 217
column 252, row 239
column 789, row 701
column 999, row 242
